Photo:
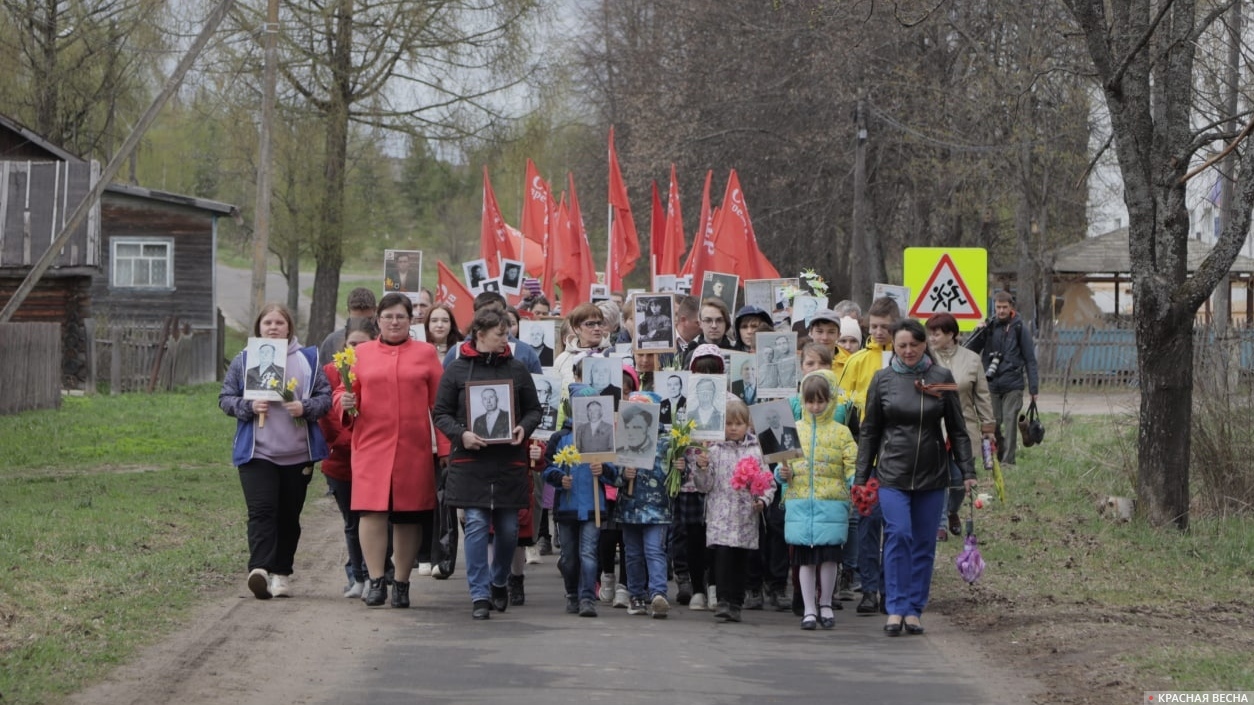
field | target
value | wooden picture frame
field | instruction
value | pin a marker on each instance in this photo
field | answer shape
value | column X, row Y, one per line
column 480, row 397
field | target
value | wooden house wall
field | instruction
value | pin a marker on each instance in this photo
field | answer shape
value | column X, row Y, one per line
column 192, row 231
column 63, row 300
column 36, row 200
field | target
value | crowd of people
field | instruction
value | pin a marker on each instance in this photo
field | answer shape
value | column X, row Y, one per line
column 426, row 440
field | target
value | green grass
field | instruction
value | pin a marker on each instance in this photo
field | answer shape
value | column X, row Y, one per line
column 98, row 563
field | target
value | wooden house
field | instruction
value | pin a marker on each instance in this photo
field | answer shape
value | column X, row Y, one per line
column 142, row 257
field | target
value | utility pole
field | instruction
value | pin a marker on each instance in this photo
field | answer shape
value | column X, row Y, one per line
column 861, row 284
column 261, row 220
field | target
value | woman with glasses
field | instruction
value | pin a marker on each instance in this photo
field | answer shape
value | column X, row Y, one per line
column 388, row 408
column 588, row 334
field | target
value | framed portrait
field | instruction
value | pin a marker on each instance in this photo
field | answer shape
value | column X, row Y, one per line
column 707, row 405
column 492, row 284
column 490, row 408
column 511, row 276
column 803, row 307
column 265, row 365
column 719, row 285
column 417, row 332
column 664, row 283
column 592, row 420
column 541, row 336
column 598, row 292
column 758, row 293
column 742, row 376
column 899, row 294
column 636, row 434
column 402, row 272
column 474, row 273
column 776, row 430
column 655, row 323
column 776, row 363
column 605, row 375
column 549, row 392
column 673, row 388
column 683, row 284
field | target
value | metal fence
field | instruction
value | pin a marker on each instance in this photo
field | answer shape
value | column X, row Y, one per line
column 1092, row 357
column 143, row 357
column 30, row 356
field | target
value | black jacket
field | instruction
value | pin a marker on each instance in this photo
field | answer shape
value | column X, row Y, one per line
column 495, row 476
column 1013, row 342
column 901, row 434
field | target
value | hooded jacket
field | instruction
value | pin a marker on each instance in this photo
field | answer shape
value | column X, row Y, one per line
column 749, row 311
column 493, row 477
column 816, row 498
column 902, row 435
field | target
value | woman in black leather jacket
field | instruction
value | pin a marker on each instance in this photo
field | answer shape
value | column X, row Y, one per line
column 910, row 404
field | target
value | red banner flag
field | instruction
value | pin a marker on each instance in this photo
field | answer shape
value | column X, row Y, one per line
column 547, row 279
column 673, row 241
column 575, row 272
column 703, row 240
column 657, row 231
column 494, row 239
column 624, row 248
column 535, row 211
column 450, row 290
column 737, row 237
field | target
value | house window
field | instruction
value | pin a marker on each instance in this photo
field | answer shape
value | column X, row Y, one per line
column 143, row 262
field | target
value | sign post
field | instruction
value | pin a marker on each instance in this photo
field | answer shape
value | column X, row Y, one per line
column 951, row 280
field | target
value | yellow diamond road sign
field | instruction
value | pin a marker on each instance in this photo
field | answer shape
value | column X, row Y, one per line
column 951, row 280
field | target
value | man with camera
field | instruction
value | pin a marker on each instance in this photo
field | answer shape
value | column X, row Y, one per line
column 1006, row 350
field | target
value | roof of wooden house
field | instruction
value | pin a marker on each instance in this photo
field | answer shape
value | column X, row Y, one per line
column 175, row 198
column 22, row 139
column 1108, row 254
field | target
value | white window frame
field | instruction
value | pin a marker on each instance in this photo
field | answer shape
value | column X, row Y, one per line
column 141, row 241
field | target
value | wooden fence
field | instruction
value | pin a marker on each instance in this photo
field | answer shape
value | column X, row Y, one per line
column 142, row 357
column 30, row 357
column 1091, row 357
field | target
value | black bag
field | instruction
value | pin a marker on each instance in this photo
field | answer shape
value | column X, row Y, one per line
column 1030, row 427
column 444, row 543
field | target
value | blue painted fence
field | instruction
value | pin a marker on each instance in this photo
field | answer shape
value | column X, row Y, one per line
column 1093, row 356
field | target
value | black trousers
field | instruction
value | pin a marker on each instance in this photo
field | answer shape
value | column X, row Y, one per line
column 769, row 565
column 275, row 496
column 729, row 573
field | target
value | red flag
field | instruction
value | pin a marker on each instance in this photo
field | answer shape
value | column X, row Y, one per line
column 673, row 241
column 703, row 241
column 657, row 232
column 450, row 290
column 574, row 270
column 624, row 248
column 535, row 211
column 494, row 241
column 736, row 236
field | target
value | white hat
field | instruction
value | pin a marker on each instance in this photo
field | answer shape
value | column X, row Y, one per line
column 849, row 328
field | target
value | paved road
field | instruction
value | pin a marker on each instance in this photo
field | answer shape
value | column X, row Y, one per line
column 235, row 294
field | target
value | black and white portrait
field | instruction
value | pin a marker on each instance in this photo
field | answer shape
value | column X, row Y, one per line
column 776, row 430
column 721, row 286
column 492, row 284
column 664, row 283
column 683, row 284
column 637, row 434
column 265, row 361
column 655, row 327
column 605, row 375
column 741, row 373
column 541, row 336
column 707, row 405
column 758, row 293
column 491, row 410
column 673, row 388
column 593, row 424
column 511, row 276
column 475, row 272
column 776, row 361
column 547, row 390
column 402, row 271
column 598, row 292
column 803, row 307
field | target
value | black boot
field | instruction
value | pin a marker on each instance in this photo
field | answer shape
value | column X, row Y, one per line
column 481, row 609
column 376, row 592
column 400, row 594
column 516, row 595
column 500, row 598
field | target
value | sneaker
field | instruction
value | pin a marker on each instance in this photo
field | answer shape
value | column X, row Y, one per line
column 533, row 556
column 259, row 583
column 777, row 601
column 658, row 607
column 606, row 592
column 280, row 586
column 572, row 604
column 733, row 613
column 544, row 546
column 376, row 592
column 424, row 569
column 356, row 589
column 754, row 600
column 438, row 572
column 587, row 608
column 846, row 593
column 621, row 596
column 683, row 593
column 637, row 606
column 697, row 602
column 869, row 604
column 711, row 595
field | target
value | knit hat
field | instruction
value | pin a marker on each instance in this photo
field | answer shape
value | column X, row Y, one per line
column 707, row 350
column 849, row 328
column 646, row 397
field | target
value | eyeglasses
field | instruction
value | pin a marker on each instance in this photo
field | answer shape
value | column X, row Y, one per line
column 593, row 324
column 393, row 317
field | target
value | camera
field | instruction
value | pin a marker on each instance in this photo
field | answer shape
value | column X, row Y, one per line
column 994, row 361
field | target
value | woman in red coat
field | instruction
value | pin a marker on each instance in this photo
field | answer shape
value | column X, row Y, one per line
column 393, row 470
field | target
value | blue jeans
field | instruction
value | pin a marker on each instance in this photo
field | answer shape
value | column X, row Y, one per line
column 480, row 575
column 342, row 490
column 850, row 550
column 909, row 547
column 646, row 559
column 870, row 535
column 578, row 562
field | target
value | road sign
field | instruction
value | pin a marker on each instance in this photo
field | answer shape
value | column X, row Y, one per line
column 951, row 280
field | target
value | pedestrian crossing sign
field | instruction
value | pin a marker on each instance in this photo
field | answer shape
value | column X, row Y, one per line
column 951, row 280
